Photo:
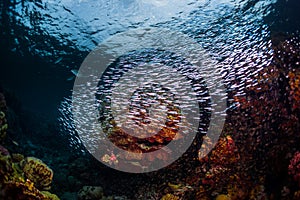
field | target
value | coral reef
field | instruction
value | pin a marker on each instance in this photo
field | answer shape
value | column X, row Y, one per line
column 25, row 190
column 294, row 167
column 223, row 197
column 49, row 195
column 153, row 138
column 38, row 172
column 294, row 83
column 225, row 152
column 22, row 178
column 258, row 192
column 13, row 184
column 169, row 197
column 6, row 167
column 202, row 193
column 92, row 193
column 3, row 121
column 257, row 142
column 250, row 160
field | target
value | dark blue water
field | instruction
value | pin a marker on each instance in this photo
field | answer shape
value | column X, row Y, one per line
column 33, row 36
column 255, row 45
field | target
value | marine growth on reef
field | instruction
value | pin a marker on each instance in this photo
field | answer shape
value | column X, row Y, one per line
column 22, row 178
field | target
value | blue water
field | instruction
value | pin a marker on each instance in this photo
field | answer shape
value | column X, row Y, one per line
column 59, row 35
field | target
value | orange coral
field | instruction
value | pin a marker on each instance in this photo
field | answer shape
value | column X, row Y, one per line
column 224, row 153
column 169, row 132
column 136, row 147
column 294, row 82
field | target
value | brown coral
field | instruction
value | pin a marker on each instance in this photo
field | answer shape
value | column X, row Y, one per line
column 13, row 184
column 21, row 190
column 169, row 197
column 25, row 190
column 21, row 178
column 38, row 172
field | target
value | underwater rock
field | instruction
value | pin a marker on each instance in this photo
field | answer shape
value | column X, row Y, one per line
column 3, row 105
column 3, row 121
column 92, row 193
column 38, row 172
column 17, row 157
column 3, row 126
column 5, row 165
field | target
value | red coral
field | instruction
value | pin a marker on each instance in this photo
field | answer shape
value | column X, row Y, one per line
column 225, row 152
column 294, row 167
